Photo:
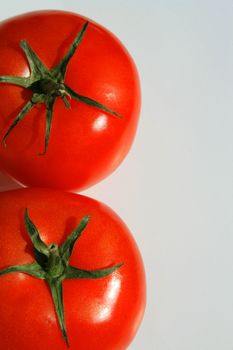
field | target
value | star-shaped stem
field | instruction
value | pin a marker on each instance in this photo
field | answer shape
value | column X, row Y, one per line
column 47, row 85
column 52, row 265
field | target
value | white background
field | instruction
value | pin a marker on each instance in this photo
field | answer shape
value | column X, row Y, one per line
column 175, row 189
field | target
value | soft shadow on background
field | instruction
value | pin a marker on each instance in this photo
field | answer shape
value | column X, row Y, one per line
column 175, row 189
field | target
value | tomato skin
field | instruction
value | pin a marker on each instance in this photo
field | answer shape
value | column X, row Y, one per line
column 86, row 144
column 100, row 314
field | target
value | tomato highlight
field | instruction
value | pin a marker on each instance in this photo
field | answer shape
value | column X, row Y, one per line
column 62, row 277
column 69, row 90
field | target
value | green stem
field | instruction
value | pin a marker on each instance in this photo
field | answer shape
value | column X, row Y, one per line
column 47, row 85
column 60, row 69
column 20, row 81
column 20, row 116
column 52, row 265
column 55, row 264
column 55, row 286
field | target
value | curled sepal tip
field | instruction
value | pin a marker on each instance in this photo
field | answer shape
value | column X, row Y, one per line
column 47, row 85
column 52, row 265
column 74, row 273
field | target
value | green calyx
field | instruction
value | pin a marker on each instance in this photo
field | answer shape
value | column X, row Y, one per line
column 52, row 265
column 47, row 85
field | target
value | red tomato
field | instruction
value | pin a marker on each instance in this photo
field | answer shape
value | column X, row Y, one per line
column 86, row 143
column 99, row 313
